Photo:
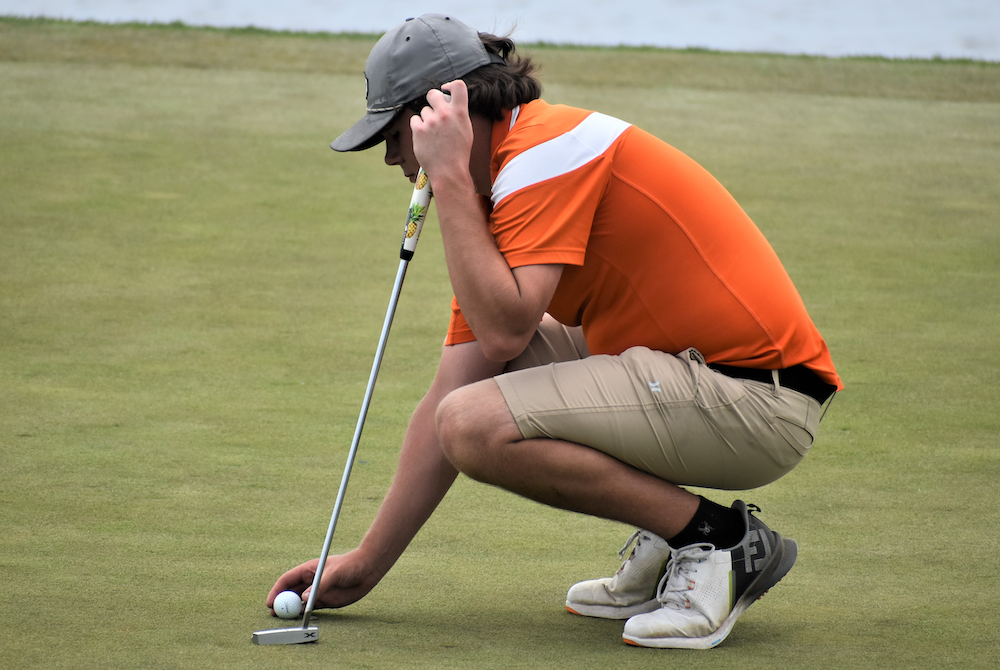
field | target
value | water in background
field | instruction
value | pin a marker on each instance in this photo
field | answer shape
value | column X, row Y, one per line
column 892, row 28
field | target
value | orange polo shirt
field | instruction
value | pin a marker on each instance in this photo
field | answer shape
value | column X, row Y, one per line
column 656, row 252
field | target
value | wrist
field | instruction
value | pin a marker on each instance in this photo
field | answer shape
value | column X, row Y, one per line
column 451, row 181
column 377, row 555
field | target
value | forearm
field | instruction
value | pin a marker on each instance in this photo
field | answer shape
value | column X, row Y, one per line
column 485, row 286
column 503, row 306
column 422, row 479
column 424, row 474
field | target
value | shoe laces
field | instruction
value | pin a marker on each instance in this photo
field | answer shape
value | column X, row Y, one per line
column 677, row 582
column 634, row 537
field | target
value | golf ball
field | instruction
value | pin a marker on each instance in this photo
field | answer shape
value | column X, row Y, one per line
column 288, row 605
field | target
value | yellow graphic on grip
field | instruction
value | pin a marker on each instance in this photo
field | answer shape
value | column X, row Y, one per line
column 422, row 180
column 417, row 212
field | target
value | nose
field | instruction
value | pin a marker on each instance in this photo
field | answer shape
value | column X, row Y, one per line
column 392, row 155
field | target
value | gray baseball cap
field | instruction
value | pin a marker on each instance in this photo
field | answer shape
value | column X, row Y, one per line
column 408, row 61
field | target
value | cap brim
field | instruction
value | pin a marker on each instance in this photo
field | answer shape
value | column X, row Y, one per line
column 366, row 133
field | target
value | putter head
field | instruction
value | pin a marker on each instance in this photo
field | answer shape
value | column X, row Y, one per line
column 297, row 635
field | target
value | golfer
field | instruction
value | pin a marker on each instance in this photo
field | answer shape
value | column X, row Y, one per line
column 620, row 329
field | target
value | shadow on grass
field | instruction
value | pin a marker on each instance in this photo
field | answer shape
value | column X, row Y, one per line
column 499, row 635
column 438, row 636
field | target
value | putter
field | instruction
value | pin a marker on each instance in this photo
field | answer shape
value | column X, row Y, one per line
column 419, row 205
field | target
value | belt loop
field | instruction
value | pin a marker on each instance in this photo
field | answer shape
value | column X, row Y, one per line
column 775, row 381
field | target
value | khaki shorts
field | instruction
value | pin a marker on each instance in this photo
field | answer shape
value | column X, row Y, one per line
column 671, row 416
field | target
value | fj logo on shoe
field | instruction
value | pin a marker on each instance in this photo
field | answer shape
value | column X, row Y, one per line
column 757, row 546
column 654, row 387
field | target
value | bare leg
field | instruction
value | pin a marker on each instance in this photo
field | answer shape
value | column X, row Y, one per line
column 481, row 439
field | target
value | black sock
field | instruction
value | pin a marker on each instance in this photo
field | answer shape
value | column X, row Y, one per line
column 712, row 523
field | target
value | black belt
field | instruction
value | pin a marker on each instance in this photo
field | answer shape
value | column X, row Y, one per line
column 798, row 378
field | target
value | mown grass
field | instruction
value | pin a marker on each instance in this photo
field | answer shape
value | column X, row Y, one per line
column 44, row 40
column 191, row 287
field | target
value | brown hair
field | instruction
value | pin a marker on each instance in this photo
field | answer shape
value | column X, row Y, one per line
column 496, row 88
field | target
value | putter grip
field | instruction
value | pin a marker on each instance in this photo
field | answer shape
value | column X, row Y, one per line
column 420, row 202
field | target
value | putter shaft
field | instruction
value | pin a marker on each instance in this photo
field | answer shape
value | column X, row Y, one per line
column 415, row 216
column 383, row 338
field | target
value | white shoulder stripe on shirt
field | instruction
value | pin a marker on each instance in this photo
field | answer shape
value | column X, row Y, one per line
column 559, row 155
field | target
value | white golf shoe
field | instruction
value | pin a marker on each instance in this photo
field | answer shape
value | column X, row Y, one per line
column 632, row 590
column 704, row 589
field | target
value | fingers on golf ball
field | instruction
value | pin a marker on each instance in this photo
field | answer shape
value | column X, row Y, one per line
column 288, row 605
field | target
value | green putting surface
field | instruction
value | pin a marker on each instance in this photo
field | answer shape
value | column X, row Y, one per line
column 191, row 290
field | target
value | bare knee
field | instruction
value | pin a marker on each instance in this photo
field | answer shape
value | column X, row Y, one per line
column 472, row 423
column 456, row 429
